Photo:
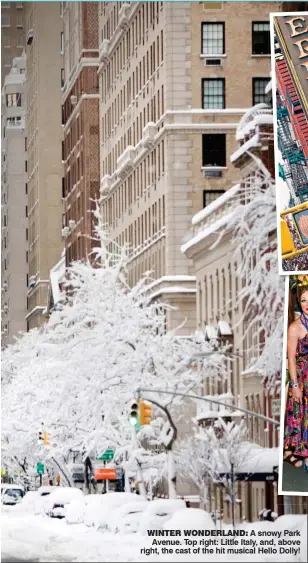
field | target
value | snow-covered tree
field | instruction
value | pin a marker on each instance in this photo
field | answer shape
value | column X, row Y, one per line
column 78, row 375
column 254, row 226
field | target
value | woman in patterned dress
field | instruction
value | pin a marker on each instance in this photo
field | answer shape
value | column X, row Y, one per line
column 296, row 424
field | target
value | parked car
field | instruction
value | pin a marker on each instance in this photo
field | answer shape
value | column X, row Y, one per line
column 98, row 511
column 59, row 500
column 195, row 519
column 126, row 519
column 43, row 494
column 29, row 502
column 11, row 494
column 160, row 511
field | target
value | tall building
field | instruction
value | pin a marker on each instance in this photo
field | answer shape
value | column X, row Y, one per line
column 80, row 119
column 44, row 141
column 218, row 298
column 175, row 79
column 12, row 34
column 14, row 235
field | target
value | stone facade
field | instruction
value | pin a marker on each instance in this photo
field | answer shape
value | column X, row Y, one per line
column 12, row 35
column 153, row 171
column 14, row 199
column 44, row 137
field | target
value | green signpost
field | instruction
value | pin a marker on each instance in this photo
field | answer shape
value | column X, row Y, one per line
column 106, row 456
column 40, row 468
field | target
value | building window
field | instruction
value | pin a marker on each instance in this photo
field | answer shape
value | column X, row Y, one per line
column 20, row 20
column 26, row 166
column 213, row 38
column 62, row 77
column 214, row 149
column 26, row 189
column 7, row 60
column 62, row 42
column 5, row 20
column 4, row 220
column 258, row 89
column 261, row 42
column 211, row 195
column 213, row 93
column 13, row 100
column 26, row 211
column 20, row 41
column 5, row 5
column 27, row 234
column 6, row 41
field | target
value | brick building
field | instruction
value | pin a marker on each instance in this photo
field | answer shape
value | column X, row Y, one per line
column 80, row 119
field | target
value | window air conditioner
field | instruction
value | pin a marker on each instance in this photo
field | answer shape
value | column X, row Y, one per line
column 72, row 224
column 5, row 307
column 5, row 286
column 211, row 173
column 213, row 62
column 73, row 100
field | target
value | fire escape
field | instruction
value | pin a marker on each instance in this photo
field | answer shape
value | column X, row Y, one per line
column 294, row 169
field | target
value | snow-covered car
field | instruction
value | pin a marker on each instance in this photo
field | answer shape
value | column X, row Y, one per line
column 11, row 494
column 195, row 519
column 43, row 494
column 59, row 500
column 126, row 519
column 98, row 510
column 158, row 512
column 29, row 502
column 75, row 511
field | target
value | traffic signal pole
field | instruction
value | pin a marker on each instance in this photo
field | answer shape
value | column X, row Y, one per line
column 138, row 466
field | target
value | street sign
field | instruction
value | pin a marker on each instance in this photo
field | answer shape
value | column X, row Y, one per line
column 276, row 403
column 106, row 456
column 40, row 468
column 102, row 474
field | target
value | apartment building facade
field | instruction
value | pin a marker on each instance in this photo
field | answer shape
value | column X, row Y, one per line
column 175, row 79
column 44, row 141
column 12, row 35
column 80, row 119
column 14, row 233
column 219, row 307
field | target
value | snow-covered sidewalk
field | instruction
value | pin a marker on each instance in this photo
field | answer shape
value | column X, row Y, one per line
column 42, row 539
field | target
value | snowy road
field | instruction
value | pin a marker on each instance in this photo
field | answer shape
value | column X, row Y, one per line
column 34, row 538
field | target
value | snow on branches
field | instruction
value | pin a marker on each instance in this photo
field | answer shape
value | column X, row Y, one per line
column 79, row 373
column 254, row 224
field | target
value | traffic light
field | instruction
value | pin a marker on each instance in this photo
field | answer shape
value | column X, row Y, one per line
column 40, row 438
column 145, row 413
column 46, row 439
column 134, row 414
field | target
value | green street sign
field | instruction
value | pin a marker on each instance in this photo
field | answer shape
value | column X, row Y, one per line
column 106, row 456
column 40, row 468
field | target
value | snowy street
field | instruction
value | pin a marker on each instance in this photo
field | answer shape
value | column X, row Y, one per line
column 35, row 538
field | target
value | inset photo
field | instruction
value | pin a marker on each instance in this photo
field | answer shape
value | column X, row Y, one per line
column 294, row 474
column 290, row 74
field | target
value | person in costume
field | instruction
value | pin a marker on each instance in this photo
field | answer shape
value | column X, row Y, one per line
column 296, row 423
